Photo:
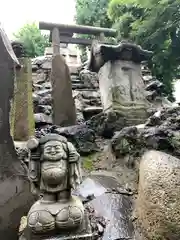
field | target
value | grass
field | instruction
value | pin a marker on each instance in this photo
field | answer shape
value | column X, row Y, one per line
column 88, row 162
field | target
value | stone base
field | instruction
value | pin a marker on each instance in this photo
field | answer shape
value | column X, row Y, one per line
column 128, row 115
column 84, row 233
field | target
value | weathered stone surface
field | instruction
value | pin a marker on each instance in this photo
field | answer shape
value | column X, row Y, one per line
column 158, row 202
column 22, row 120
column 80, row 135
column 63, row 103
column 90, row 79
column 101, row 53
column 160, row 132
column 43, row 62
column 106, row 124
column 122, row 89
column 154, row 90
column 41, row 118
column 84, row 234
column 15, row 197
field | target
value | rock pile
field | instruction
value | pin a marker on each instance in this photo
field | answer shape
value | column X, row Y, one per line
column 154, row 90
column 85, row 92
column 160, row 132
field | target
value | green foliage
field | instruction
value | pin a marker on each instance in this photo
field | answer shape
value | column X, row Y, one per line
column 92, row 13
column 88, row 164
column 154, row 24
column 32, row 39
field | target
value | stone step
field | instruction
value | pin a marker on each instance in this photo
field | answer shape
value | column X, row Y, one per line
column 93, row 109
column 76, row 80
column 78, row 86
column 87, row 89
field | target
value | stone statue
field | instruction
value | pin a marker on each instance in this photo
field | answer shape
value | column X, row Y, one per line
column 54, row 169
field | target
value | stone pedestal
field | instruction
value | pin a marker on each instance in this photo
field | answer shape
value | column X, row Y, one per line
column 122, row 90
column 64, row 113
column 22, row 118
column 84, row 233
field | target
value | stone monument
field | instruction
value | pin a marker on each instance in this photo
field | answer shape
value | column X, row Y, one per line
column 64, row 113
column 22, row 117
column 15, row 197
column 120, row 79
column 54, row 170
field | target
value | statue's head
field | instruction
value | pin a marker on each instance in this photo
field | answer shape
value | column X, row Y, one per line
column 54, row 147
column 50, row 147
column 53, row 150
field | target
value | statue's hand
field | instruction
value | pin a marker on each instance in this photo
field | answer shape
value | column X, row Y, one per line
column 32, row 143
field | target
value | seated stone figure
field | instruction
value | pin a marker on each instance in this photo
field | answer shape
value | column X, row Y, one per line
column 54, row 169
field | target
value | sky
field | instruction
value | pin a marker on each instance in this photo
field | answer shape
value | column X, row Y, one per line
column 15, row 13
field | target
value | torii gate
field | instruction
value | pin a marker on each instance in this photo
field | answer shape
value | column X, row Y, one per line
column 63, row 33
column 64, row 112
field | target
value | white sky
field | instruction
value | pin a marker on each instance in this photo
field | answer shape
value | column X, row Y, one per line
column 15, row 13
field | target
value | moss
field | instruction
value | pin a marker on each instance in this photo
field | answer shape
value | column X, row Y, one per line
column 31, row 123
column 88, row 162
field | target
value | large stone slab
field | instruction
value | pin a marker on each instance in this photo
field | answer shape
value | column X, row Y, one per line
column 22, row 118
column 15, row 197
column 64, row 113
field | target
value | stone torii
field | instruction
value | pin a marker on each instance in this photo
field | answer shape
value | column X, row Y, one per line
column 64, row 111
column 64, row 33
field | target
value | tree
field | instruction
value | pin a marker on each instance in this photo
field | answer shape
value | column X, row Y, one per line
column 154, row 24
column 92, row 13
column 32, row 39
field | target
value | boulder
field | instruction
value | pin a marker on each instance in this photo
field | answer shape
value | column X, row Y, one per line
column 81, row 136
column 160, row 132
column 158, row 202
column 42, row 119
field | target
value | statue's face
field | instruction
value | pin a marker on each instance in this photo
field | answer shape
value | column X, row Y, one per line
column 53, row 150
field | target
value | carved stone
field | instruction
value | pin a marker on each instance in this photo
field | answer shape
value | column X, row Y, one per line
column 64, row 113
column 54, row 170
column 15, row 197
column 120, row 79
column 102, row 53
